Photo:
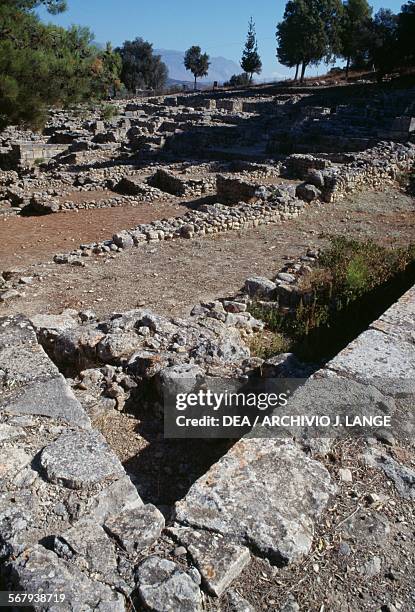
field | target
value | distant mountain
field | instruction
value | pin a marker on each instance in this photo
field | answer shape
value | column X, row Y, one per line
column 221, row 69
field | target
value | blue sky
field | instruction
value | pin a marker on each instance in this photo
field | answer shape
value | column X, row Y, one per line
column 218, row 26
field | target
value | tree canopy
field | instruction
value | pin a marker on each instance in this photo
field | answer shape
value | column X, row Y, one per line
column 141, row 69
column 238, row 80
column 53, row 6
column 308, row 33
column 316, row 30
column 354, row 30
column 42, row 66
column 197, row 62
column 251, row 61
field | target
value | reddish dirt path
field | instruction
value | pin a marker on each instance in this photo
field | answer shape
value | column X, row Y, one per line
column 26, row 240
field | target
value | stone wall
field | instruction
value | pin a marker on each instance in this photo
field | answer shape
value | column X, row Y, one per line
column 61, row 484
column 232, row 189
column 370, row 170
column 27, row 153
column 209, row 219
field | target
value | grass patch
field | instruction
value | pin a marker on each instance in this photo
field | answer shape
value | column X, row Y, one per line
column 266, row 344
column 353, row 284
column 108, row 112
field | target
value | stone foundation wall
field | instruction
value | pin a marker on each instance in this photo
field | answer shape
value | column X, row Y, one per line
column 28, row 153
column 371, row 170
column 231, row 190
column 298, row 165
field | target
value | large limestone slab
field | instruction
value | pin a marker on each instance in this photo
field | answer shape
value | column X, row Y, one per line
column 265, row 493
column 399, row 319
column 30, row 383
column 376, row 355
column 51, row 398
column 80, row 460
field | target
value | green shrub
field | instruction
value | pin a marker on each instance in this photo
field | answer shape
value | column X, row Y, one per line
column 354, row 282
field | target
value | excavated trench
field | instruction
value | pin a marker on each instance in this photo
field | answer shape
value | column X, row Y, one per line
column 164, row 469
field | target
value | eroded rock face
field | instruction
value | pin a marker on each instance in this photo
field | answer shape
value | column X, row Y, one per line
column 264, row 493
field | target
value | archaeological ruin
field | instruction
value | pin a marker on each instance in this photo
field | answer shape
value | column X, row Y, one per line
column 179, row 244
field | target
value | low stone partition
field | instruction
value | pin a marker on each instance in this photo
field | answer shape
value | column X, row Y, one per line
column 283, row 488
column 208, row 219
column 232, row 106
column 372, row 169
column 298, row 165
column 181, row 185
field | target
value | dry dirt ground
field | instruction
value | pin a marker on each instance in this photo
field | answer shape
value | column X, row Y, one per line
column 29, row 240
column 170, row 277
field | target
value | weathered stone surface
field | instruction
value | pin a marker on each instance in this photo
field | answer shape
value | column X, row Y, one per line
column 136, row 529
column 315, row 177
column 118, row 496
column 237, row 603
column 13, row 460
column 258, row 286
column 389, row 358
column 164, row 587
column 40, row 571
column 80, row 460
column 403, row 477
column 123, row 240
column 17, row 516
column 399, row 320
column 218, row 560
column 54, row 323
column 264, row 493
column 307, row 192
column 8, row 432
column 30, row 383
column 42, row 206
column 87, row 545
column 336, row 396
column 116, row 346
column 15, row 331
column 181, row 378
column 52, row 398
